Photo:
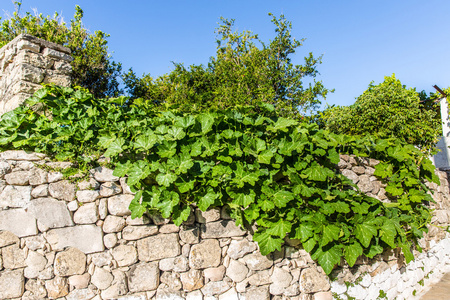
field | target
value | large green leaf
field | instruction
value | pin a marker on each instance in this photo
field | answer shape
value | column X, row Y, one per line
column 206, row 121
column 352, row 252
column 280, row 228
column 267, row 243
column 364, row 233
column 115, row 147
column 208, row 199
column 329, row 233
column 166, row 179
column 329, row 258
column 282, row 124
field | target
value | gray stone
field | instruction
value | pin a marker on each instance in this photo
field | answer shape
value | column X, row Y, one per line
column 169, row 228
column 211, row 215
column 281, row 279
column 101, row 259
column 110, row 240
column 62, row 190
column 15, row 196
column 102, row 208
column 50, row 213
column 38, row 176
column 238, row 249
column 90, row 184
column 364, row 184
column 80, row 281
column 256, row 261
column 195, row 295
column 144, row 220
column 237, row 271
column 102, row 278
column 258, row 292
column 87, row 238
column 192, row 280
column 220, row 229
column 359, row 170
column 72, row 205
column 40, row 191
column 132, row 233
column 215, row 288
column 172, row 280
column 13, row 257
column 11, row 284
column 109, row 189
column 78, row 294
column 125, row 255
column 125, row 187
column 86, row 214
column 158, row 247
column 311, row 281
column 18, row 178
column 189, row 234
column 5, row 167
column 57, row 287
column 118, row 205
column 215, row 274
column 18, row 221
column 207, row 254
column 21, row 155
column 36, row 288
column 103, row 174
column 54, row 176
column 86, row 196
column 113, row 224
column 35, row 263
column 231, row 294
column 70, row 262
column 260, row 278
column 118, row 286
column 8, row 238
column 143, row 277
column 350, row 175
column 166, row 293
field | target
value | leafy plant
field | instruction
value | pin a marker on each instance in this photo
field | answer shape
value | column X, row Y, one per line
column 272, row 171
column 92, row 67
column 386, row 110
column 244, row 71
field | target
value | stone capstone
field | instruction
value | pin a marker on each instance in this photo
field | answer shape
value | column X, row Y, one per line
column 207, row 254
column 70, row 262
column 87, row 238
column 143, row 277
column 158, row 247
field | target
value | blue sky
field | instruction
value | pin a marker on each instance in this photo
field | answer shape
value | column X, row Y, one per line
column 360, row 41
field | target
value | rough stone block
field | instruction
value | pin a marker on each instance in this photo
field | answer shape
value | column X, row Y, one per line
column 18, row 221
column 50, row 213
column 11, row 284
column 207, row 254
column 221, row 229
column 158, row 247
column 143, row 277
column 15, row 196
column 87, row 238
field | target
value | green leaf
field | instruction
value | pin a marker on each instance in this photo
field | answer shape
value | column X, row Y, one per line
column 265, row 157
column 139, row 170
column 304, row 231
column 184, row 187
column 177, row 133
column 329, row 258
column 316, row 172
column 166, row 179
column 280, row 228
column 115, row 147
column 364, row 233
column 352, row 252
column 309, row 244
column 207, row 200
column 282, row 197
column 145, row 141
column 329, row 234
column 267, row 243
column 136, row 208
column 167, row 149
column 180, row 215
column 281, row 124
column 206, row 121
column 394, row 190
column 122, row 169
column 333, row 156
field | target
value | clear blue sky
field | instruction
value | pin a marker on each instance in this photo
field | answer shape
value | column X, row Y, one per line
column 360, row 41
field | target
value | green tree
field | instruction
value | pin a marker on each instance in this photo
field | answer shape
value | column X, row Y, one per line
column 387, row 110
column 244, row 71
column 92, row 67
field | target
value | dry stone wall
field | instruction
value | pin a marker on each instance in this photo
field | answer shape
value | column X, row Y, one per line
column 27, row 62
column 65, row 240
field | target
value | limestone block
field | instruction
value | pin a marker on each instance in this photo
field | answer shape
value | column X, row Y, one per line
column 57, row 54
column 169, row 228
column 63, row 67
column 101, row 259
column 207, row 254
column 103, row 174
column 312, row 281
column 40, row 191
column 11, row 284
column 237, row 271
column 57, row 287
column 125, row 188
column 110, row 240
column 258, row 292
column 87, row 238
column 256, row 261
column 118, row 286
column 118, row 205
column 172, row 280
column 57, row 79
column 80, row 281
column 260, row 278
column 70, row 262
column 18, row 221
column 18, row 178
column 329, row 296
column 15, row 196
column 50, row 213
column 102, row 208
column 132, row 233
column 102, row 278
column 143, row 277
column 113, row 224
column 189, row 234
column 364, row 184
column 86, row 214
column 8, row 238
column 214, row 274
column 215, row 288
column 62, row 190
column 78, row 294
column 90, row 184
column 85, row 196
column 231, row 294
column 194, row 295
column 192, row 280
column 280, row 279
column 109, row 189
column 158, row 247
column 5, row 167
column 125, row 255
column 55, row 176
column 164, row 292
column 35, row 263
column 13, row 257
column 238, row 249
column 24, row 44
column 36, row 288
column 144, row 220
column 350, row 175
column 220, row 229
column 210, row 215
column 30, row 73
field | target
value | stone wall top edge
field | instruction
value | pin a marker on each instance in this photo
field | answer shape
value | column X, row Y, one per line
column 39, row 41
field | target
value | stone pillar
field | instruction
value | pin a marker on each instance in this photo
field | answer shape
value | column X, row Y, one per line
column 442, row 159
column 25, row 63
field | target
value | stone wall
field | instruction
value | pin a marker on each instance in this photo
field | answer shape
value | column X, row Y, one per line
column 66, row 240
column 27, row 62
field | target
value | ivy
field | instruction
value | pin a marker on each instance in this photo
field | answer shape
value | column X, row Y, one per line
column 274, row 172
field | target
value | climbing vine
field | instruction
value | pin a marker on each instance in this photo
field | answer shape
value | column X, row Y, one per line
column 275, row 172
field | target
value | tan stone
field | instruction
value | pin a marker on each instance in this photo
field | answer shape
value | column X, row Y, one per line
column 57, row 287
column 220, row 229
column 312, row 281
column 118, row 287
column 102, row 278
column 207, row 254
column 189, row 234
column 70, row 262
column 13, row 257
column 11, row 284
column 125, row 255
column 256, row 261
column 80, row 281
column 7, row 238
column 143, row 277
column 158, row 247
column 215, row 274
column 237, row 271
column 132, row 233
column 192, row 280
column 238, row 249
column 109, row 189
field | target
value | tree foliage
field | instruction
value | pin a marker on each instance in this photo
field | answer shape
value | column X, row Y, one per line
column 244, row 71
column 272, row 171
column 386, row 110
column 92, row 67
